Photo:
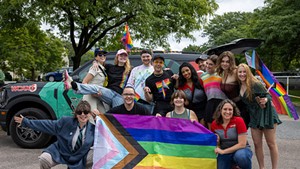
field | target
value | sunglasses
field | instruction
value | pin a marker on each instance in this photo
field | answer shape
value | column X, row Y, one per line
column 101, row 55
column 158, row 62
column 80, row 112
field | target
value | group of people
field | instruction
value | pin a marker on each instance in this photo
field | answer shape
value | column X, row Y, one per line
column 226, row 98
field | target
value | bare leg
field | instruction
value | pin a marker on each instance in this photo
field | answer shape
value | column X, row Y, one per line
column 258, row 145
column 270, row 135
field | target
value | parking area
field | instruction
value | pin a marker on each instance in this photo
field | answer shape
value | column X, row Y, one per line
column 288, row 139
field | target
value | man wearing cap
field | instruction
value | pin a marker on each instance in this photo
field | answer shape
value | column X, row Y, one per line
column 201, row 61
column 117, row 78
column 159, row 87
column 138, row 77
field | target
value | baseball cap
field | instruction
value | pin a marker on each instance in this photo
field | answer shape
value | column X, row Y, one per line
column 201, row 57
column 98, row 50
column 158, row 57
column 121, row 51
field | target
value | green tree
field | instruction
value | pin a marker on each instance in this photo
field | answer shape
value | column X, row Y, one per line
column 195, row 48
column 85, row 23
column 28, row 50
column 278, row 24
column 228, row 27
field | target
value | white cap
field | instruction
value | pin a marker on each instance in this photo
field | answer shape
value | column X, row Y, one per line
column 122, row 51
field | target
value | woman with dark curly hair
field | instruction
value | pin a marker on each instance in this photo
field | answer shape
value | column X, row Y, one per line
column 189, row 83
column 231, row 130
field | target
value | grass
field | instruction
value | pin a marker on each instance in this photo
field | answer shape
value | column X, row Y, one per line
column 296, row 101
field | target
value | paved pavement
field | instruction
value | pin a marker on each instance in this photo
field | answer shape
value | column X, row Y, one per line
column 288, row 139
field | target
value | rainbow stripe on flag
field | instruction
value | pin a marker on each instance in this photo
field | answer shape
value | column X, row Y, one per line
column 280, row 99
column 126, row 39
column 142, row 142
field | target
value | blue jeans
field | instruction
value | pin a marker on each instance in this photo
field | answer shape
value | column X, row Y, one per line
column 108, row 96
column 241, row 158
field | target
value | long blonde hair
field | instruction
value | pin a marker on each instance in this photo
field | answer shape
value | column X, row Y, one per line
column 127, row 64
column 250, row 80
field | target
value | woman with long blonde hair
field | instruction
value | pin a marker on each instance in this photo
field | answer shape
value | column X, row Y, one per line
column 117, row 77
column 263, row 117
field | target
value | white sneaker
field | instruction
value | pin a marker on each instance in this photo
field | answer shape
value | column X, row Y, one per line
column 67, row 80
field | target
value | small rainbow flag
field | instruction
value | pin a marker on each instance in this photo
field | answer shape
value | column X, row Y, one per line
column 144, row 142
column 137, row 97
column 162, row 85
column 126, row 39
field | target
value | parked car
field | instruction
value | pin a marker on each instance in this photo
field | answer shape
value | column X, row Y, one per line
column 58, row 74
column 49, row 100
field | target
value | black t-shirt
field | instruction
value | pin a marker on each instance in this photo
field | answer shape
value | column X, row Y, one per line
column 116, row 77
column 162, row 87
column 136, row 110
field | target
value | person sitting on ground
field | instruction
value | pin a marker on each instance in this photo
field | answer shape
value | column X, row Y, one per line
column 129, row 106
column 179, row 100
column 233, row 148
column 117, row 78
column 75, row 137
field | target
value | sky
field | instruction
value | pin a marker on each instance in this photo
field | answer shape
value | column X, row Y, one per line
column 224, row 6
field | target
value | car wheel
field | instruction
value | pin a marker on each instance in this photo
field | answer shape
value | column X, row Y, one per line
column 51, row 79
column 26, row 137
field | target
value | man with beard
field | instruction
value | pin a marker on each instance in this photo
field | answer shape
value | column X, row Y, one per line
column 159, row 87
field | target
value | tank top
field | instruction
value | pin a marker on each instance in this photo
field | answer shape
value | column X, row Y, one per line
column 184, row 115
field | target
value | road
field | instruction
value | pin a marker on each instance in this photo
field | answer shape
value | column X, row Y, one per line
column 288, row 139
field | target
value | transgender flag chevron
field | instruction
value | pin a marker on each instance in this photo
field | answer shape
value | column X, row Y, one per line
column 144, row 142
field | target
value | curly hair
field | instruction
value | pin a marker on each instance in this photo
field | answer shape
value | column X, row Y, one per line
column 218, row 116
column 194, row 76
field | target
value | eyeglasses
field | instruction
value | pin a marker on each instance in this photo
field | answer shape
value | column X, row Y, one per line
column 158, row 62
column 80, row 112
column 101, row 55
column 128, row 94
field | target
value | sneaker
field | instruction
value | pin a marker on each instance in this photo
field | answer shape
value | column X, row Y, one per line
column 67, row 80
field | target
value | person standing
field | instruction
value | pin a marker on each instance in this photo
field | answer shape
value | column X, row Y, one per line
column 263, row 117
column 226, row 69
column 201, row 61
column 159, row 87
column 233, row 148
column 179, row 100
column 138, row 77
column 211, row 82
column 97, row 76
column 75, row 137
column 189, row 83
column 117, row 77
column 129, row 106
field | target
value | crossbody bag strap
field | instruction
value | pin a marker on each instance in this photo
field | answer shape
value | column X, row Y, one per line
column 104, row 73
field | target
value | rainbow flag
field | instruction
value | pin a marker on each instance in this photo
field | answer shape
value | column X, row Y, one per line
column 280, row 99
column 126, row 39
column 142, row 142
column 162, row 85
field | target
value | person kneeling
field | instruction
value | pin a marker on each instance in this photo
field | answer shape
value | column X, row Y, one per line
column 233, row 149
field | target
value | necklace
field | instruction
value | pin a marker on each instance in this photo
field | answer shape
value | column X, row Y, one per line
column 158, row 75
